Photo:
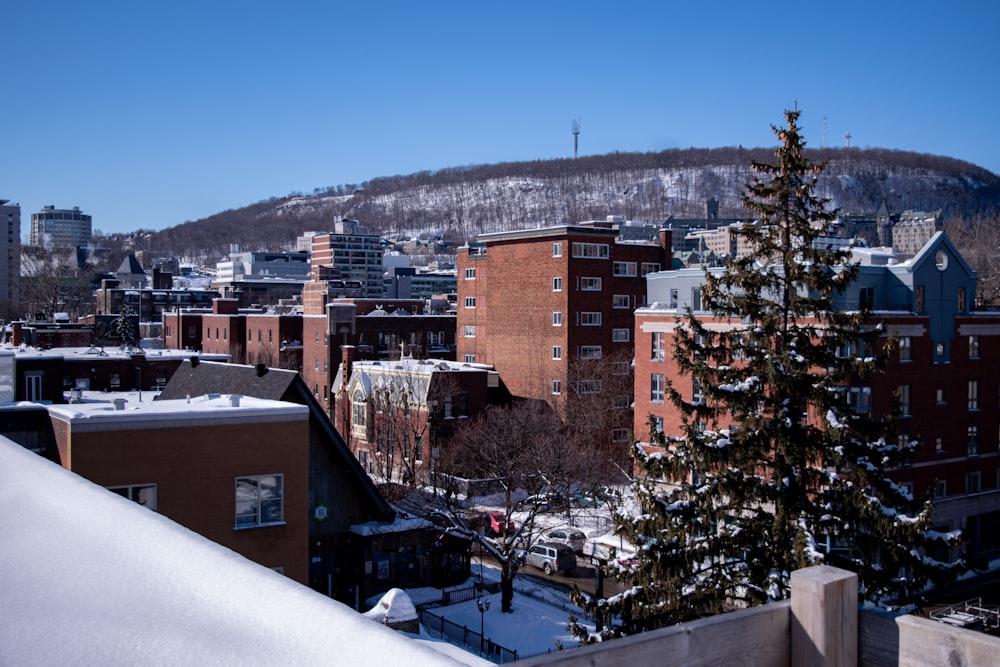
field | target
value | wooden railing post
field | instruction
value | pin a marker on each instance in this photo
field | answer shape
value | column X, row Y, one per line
column 824, row 617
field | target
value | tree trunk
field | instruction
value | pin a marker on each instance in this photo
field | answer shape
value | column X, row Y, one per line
column 506, row 591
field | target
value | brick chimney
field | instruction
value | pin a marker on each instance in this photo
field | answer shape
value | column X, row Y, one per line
column 16, row 333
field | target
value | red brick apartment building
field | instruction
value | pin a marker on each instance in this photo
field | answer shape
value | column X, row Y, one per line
column 253, row 337
column 233, row 469
column 945, row 372
column 545, row 306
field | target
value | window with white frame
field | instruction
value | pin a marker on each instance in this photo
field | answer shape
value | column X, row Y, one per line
column 973, row 394
column 557, row 386
column 557, row 352
column 470, row 273
column 591, row 250
column 658, row 341
column 144, row 494
column 556, row 283
column 590, row 319
column 470, row 330
column 859, row 400
column 648, row 267
column 359, row 410
column 672, row 303
column 625, row 269
column 905, row 405
column 33, row 387
column 620, row 335
column 697, row 393
column 658, row 424
column 657, row 385
column 557, row 318
column 590, row 352
column 621, row 301
column 470, row 358
column 590, row 284
column 470, row 302
column 260, row 500
column 557, row 249
column 973, row 347
column 905, row 348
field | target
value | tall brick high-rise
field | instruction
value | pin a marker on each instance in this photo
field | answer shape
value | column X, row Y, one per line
column 544, row 305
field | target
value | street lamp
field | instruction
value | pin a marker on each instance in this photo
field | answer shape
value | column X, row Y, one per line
column 484, row 606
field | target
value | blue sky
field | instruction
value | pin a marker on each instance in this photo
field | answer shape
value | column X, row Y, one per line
column 147, row 114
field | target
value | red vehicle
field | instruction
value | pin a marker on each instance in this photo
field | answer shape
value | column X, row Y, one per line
column 497, row 523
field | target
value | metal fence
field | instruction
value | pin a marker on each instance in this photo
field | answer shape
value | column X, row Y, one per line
column 460, row 635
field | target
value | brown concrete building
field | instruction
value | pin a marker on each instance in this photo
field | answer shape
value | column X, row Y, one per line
column 233, row 469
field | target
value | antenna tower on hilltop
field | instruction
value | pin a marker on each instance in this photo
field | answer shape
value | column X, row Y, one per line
column 576, row 136
column 847, row 139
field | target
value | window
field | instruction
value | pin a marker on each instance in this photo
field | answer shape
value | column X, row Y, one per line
column 588, row 387
column 859, row 400
column 904, row 400
column 470, row 330
column 620, row 335
column 673, row 298
column 939, row 445
column 591, row 250
column 972, row 482
column 557, row 386
column 696, row 298
column 905, row 348
column 961, row 299
column 973, row 394
column 973, row 347
column 620, row 402
column 591, row 352
column 557, row 249
column 940, row 489
column 919, row 305
column 259, row 501
column 657, row 385
column 144, row 494
column 624, row 269
column 658, row 424
column 903, row 443
column 556, row 352
column 940, row 397
column 697, row 394
column 359, row 409
column 470, row 358
column 866, row 297
column 620, row 367
column 648, row 267
column 973, row 449
column 557, row 284
column 658, row 339
column 470, row 302
column 590, row 319
column 557, row 318
column 619, row 435
column 470, row 273
column 590, row 284
column 621, row 301
column 115, row 381
column 33, row 386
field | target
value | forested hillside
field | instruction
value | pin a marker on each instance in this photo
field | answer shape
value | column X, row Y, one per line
column 650, row 187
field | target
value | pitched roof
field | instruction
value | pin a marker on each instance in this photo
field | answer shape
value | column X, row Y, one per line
column 130, row 265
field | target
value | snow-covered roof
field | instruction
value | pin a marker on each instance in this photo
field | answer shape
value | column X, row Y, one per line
column 398, row 525
column 92, row 578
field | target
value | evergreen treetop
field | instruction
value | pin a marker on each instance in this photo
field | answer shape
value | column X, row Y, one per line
column 776, row 462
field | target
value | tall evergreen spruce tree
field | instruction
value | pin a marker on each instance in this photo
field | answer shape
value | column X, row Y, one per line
column 775, row 459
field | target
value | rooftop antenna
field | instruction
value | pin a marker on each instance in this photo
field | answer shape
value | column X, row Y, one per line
column 847, row 139
column 576, row 136
column 824, row 131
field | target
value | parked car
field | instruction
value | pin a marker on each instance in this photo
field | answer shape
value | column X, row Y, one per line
column 574, row 538
column 498, row 522
column 546, row 502
column 551, row 557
